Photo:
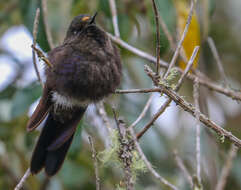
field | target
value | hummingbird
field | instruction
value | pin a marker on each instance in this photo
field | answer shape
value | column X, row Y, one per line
column 85, row 69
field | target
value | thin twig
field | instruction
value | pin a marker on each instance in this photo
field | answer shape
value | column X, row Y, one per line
column 203, row 80
column 158, row 45
column 94, row 157
column 114, row 17
column 183, row 168
column 179, row 45
column 168, row 101
column 24, row 178
column 46, row 25
column 218, row 60
column 188, row 67
column 35, row 31
column 143, row 113
column 140, row 90
column 227, row 167
column 198, row 148
column 148, row 164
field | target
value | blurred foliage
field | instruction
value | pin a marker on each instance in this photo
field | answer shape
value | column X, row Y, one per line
column 137, row 27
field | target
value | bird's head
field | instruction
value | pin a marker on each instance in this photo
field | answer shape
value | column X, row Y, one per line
column 79, row 23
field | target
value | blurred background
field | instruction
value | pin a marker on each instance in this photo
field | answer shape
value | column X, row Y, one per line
column 174, row 130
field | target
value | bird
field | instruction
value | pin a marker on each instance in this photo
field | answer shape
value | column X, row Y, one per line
column 84, row 69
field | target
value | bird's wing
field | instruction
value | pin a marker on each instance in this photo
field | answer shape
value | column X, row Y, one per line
column 41, row 110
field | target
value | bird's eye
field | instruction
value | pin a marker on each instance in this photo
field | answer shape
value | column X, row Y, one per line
column 75, row 32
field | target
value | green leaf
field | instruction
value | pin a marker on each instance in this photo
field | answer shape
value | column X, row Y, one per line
column 28, row 10
column 24, row 98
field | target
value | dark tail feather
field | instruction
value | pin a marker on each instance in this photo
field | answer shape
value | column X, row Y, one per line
column 52, row 158
column 40, row 151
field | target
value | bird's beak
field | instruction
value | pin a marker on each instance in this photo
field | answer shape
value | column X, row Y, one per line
column 93, row 18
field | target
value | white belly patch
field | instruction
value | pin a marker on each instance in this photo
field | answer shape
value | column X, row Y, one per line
column 68, row 102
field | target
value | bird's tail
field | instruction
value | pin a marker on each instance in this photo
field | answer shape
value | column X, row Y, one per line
column 54, row 142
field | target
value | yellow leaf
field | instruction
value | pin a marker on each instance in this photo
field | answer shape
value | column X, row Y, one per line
column 192, row 38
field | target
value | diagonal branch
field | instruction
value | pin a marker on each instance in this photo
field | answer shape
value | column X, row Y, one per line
column 24, row 178
column 192, row 110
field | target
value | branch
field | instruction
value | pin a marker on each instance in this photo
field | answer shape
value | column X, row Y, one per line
column 24, row 178
column 136, row 51
column 94, row 157
column 187, row 69
column 192, row 110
